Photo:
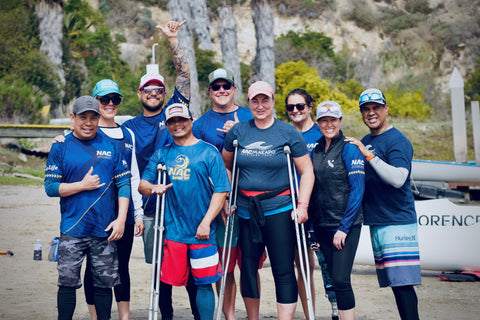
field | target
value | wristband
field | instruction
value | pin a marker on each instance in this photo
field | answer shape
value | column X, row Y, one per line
column 370, row 157
column 303, row 204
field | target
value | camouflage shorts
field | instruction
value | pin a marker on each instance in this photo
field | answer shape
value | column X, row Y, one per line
column 101, row 253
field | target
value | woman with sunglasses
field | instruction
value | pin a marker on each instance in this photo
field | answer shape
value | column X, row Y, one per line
column 299, row 104
column 109, row 97
column 335, row 206
column 264, row 200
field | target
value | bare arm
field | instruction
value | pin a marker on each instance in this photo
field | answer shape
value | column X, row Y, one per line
column 118, row 225
column 216, row 204
column 179, row 59
column 307, row 178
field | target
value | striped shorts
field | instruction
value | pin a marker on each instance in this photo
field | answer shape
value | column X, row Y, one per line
column 179, row 258
column 396, row 254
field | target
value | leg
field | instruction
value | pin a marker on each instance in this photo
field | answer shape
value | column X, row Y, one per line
column 104, row 259
column 66, row 302
column 103, row 302
column 70, row 258
column 407, row 302
column 122, row 290
column 88, row 290
column 205, row 301
column 192, row 296
column 165, row 300
column 340, row 263
column 280, row 239
column 251, row 254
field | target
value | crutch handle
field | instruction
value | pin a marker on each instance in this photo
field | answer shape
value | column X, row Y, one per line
column 286, row 149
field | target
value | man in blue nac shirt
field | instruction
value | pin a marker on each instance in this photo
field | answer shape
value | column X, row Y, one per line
column 89, row 174
column 196, row 191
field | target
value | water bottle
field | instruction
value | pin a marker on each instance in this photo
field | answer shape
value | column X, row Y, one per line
column 37, row 250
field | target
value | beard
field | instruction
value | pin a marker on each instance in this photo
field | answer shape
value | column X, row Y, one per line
column 153, row 109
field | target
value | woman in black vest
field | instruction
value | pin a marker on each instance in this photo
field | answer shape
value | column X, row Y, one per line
column 335, row 204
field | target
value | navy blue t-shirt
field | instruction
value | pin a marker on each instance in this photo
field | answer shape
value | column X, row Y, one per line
column 382, row 203
column 150, row 134
column 205, row 127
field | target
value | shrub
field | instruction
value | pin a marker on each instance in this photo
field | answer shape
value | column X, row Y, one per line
column 363, row 15
column 20, row 102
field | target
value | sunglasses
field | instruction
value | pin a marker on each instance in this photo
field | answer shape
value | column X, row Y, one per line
column 331, row 109
column 106, row 100
column 299, row 106
column 150, row 89
column 225, row 86
column 371, row 97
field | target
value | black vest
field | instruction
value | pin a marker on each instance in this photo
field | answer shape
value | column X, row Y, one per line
column 331, row 189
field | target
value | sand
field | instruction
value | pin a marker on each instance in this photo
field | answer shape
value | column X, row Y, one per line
column 28, row 288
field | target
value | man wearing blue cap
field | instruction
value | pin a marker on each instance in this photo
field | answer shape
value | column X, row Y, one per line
column 89, row 173
column 388, row 203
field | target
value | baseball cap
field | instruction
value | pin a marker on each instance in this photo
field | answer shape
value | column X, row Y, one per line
column 329, row 109
column 260, row 87
column 85, row 103
column 104, row 87
column 177, row 110
column 372, row 95
column 149, row 77
column 220, row 73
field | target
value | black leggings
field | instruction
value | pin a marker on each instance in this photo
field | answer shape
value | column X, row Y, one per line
column 66, row 301
column 279, row 238
column 340, row 263
column 124, row 250
column 407, row 302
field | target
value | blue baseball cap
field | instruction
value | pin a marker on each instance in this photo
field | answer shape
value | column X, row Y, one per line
column 372, row 95
column 104, row 87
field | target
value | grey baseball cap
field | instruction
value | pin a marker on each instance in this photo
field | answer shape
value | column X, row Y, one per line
column 86, row 103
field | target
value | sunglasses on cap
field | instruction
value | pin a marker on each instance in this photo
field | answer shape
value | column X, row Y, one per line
column 371, row 96
column 299, row 106
column 104, row 100
column 150, row 89
column 331, row 109
column 225, row 86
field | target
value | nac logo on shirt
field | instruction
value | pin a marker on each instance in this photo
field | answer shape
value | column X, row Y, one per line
column 104, row 154
column 129, row 146
column 180, row 170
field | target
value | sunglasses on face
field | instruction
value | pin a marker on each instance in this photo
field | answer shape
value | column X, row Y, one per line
column 371, row 96
column 299, row 106
column 332, row 109
column 150, row 89
column 225, row 86
column 106, row 100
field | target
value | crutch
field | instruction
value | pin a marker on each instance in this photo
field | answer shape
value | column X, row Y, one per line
column 232, row 205
column 157, row 247
column 302, row 248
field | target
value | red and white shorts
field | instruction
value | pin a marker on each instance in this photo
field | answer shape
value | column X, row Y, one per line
column 179, row 258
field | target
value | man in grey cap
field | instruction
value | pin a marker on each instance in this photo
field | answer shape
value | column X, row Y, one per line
column 212, row 127
column 81, row 171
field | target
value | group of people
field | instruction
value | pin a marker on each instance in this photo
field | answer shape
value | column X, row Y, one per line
column 107, row 180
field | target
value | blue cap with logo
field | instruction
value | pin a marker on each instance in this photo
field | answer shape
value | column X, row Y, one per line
column 372, row 95
column 104, row 87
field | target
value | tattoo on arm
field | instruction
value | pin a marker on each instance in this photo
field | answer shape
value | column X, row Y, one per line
column 182, row 68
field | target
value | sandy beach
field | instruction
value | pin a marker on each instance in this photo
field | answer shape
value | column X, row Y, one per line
column 28, row 288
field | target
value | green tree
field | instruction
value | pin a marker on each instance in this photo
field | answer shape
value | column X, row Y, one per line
column 291, row 75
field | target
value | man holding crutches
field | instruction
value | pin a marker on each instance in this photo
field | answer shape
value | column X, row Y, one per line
column 196, row 191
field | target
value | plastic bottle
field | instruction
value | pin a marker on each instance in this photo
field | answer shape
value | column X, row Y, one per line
column 37, row 250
